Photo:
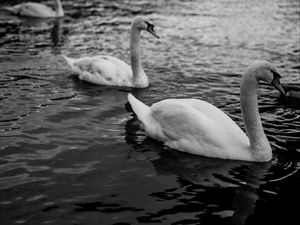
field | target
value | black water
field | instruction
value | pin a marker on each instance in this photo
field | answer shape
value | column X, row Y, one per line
column 74, row 153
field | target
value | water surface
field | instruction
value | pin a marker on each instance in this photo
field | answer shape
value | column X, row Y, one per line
column 74, row 153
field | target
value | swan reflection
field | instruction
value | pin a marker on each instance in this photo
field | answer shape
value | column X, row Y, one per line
column 56, row 33
column 247, row 194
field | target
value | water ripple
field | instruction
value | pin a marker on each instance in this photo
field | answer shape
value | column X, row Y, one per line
column 71, row 148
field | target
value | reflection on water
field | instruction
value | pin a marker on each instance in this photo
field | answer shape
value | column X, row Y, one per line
column 56, row 33
column 74, row 153
column 247, row 194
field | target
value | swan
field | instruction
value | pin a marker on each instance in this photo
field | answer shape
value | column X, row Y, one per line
column 33, row 9
column 292, row 90
column 108, row 70
column 197, row 127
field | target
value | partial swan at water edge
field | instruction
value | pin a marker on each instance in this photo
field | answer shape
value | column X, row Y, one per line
column 33, row 9
column 197, row 127
column 108, row 70
column 292, row 90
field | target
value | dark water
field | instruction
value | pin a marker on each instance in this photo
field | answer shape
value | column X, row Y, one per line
column 74, row 153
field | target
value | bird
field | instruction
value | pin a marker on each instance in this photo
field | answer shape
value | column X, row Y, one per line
column 37, row 10
column 292, row 90
column 109, row 70
column 198, row 127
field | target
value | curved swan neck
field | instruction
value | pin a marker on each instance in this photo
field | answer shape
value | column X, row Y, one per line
column 59, row 9
column 135, row 57
column 259, row 144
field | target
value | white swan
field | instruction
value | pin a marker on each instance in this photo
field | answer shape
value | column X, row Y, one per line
column 108, row 70
column 33, row 9
column 197, row 127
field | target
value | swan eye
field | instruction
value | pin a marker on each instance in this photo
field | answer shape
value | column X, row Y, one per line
column 275, row 75
column 276, row 82
column 150, row 29
column 149, row 26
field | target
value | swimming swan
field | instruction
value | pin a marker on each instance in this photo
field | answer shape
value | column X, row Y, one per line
column 197, row 127
column 292, row 90
column 33, row 9
column 108, row 70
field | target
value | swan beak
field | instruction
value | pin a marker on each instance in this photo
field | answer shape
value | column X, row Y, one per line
column 277, row 85
column 151, row 30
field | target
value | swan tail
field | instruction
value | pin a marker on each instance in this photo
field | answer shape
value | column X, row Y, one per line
column 69, row 61
column 72, row 63
column 140, row 109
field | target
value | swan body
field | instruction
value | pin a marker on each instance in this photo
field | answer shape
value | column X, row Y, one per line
column 103, row 70
column 33, row 9
column 108, row 70
column 192, row 125
column 197, row 127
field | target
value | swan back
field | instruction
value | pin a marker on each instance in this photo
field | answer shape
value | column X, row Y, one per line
column 197, row 127
column 33, row 9
column 103, row 70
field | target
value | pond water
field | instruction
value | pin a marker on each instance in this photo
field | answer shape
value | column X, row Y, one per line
column 74, row 153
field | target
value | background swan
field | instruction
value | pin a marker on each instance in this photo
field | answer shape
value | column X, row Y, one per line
column 108, row 70
column 197, row 127
column 292, row 90
column 33, row 9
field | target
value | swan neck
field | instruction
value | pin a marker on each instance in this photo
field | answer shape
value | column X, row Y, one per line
column 135, row 55
column 59, row 8
column 259, row 144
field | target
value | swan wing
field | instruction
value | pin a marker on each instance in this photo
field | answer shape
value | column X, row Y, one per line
column 119, row 63
column 197, row 127
column 103, row 70
column 33, row 9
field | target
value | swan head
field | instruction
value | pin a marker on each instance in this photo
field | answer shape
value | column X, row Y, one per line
column 144, row 24
column 267, row 72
